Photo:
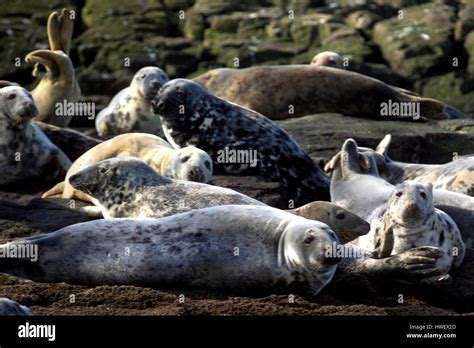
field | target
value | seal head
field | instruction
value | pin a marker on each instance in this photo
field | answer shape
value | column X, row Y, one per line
column 147, row 81
column 17, row 105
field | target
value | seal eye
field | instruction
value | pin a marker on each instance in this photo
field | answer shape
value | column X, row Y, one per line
column 308, row 239
column 207, row 164
column 143, row 76
column 399, row 194
column 340, row 216
column 185, row 159
column 179, row 92
column 103, row 170
column 423, row 194
column 11, row 96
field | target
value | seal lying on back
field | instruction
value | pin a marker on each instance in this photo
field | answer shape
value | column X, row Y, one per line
column 409, row 220
column 287, row 91
column 229, row 248
column 11, row 308
column 357, row 187
column 188, row 163
column 456, row 176
column 128, row 187
column 130, row 110
column 192, row 116
column 25, row 151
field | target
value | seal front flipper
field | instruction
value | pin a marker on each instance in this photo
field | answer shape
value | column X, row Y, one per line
column 414, row 264
column 56, row 190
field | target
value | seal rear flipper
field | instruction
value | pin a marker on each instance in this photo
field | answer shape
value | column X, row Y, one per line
column 435, row 110
column 453, row 113
column 56, row 190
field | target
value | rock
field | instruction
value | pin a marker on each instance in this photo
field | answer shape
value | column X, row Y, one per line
column 465, row 22
column 418, row 43
column 424, row 142
column 469, row 45
column 348, row 43
column 178, row 5
column 453, row 89
column 363, row 20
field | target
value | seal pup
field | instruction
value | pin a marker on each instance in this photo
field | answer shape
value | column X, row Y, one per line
column 11, row 308
column 127, row 187
column 329, row 59
column 288, row 91
column 229, row 248
column 357, row 187
column 188, row 163
column 190, row 115
column 25, row 152
column 130, row 110
column 456, row 176
column 410, row 220
column 59, row 83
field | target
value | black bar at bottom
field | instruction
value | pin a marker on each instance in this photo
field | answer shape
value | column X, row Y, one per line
column 239, row 330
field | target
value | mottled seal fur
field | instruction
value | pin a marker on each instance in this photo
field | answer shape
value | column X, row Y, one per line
column 25, row 152
column 409, row 220
column 456, row 176
column 59, row 83
column 329, row 59
column 128, row 187
column 129, row 110
column 188, row 163
column 281, row 92
column 191, row 115
column 357, row 187
column 230, row 248
column 11, row 308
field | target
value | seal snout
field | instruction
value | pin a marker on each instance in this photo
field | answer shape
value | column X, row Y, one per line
column 157, row 106
column 28, row 110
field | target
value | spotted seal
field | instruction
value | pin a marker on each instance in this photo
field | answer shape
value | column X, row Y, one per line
column 11, row 308
column 409, row 220
column 357, row 187
column 190, row 115
column 329, row 59
column 187, row 163
column 456, row 176
column 59, row 84
column 26, row 154
column 128, row 187
column 229, row 248
column 288, row 91
column 129, row 110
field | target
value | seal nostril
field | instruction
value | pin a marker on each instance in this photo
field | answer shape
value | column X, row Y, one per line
column 160, row 105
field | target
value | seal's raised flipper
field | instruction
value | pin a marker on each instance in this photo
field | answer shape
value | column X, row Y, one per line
column 382, row 147
column 56, row 190
column 60, row 28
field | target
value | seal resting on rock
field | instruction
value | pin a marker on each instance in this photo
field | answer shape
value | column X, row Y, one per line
column 229, row 248
column 456, row 176
column 127, row 187
column 190, row 115
column 287, row 91
column 409, row 220
column 130, row 110
column 26, row 153
column 59, row 84
column 188, row 163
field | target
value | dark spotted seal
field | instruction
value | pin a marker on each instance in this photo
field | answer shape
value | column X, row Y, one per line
column 231, row 248
column 128, row 187
column 129, row 110
column 188, row 163
column 26, row 154
column 190, row 115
